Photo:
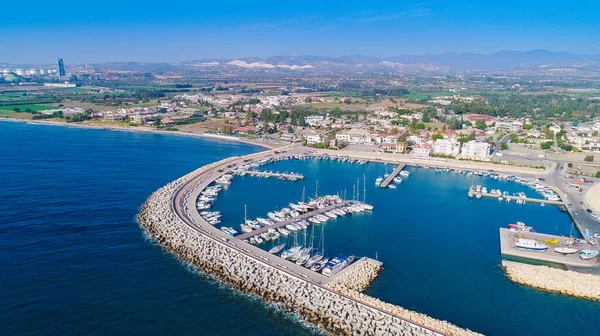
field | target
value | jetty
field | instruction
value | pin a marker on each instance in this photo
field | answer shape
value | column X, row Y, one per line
column 520, row 199
column 390, row 177
column 288, row 176
column 276, row 225
column 507, row 238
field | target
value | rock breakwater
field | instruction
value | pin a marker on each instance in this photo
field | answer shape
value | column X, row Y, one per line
column 554, row 280
column 340, row 309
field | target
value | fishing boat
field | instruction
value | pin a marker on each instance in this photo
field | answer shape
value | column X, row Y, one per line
column 592, row 240
column 529, row 245
column 588, row 254
column 335, row 265
column 520, row 226
column 277, row 248
column 565, row 250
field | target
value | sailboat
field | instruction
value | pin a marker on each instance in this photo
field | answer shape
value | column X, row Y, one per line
column 314, row 262
column 277, row 248
column 365, row 205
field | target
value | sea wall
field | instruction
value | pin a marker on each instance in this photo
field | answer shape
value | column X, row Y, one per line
column 554, row 280
column 336, row 313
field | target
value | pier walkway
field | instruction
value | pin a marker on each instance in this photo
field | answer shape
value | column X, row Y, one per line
column 570, row 260
column 390, row 177
column 526, row 199
column 289, row 176
column 291, row 220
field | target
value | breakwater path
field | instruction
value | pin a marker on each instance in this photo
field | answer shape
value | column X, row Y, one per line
column 170, row 216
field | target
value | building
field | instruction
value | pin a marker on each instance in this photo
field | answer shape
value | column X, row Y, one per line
column 473, row 118
column 245, row 130
column 476, row 150
column 422, row 151
column 61, row 67
column 343, row 137
column 313, row 139
column 446, row 147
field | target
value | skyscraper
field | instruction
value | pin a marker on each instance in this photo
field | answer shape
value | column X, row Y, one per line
column 61, row 67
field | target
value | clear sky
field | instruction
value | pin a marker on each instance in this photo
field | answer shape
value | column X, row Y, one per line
column 36, row 31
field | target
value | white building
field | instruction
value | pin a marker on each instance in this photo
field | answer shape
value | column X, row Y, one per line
column 476, row 150
column 421, row 151
column 314, row 139
column 344, row 137
column 315, row 120
column 446, row 147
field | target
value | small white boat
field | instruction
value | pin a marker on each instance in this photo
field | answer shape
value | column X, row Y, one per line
column 391, row 186
column 378, row 181
column 277, row 248
column 592, row 240
column 565, row 250
column 404, row 173
column 588, row 254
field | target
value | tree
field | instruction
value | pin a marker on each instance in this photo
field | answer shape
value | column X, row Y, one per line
column 157, row 123
column 420, row 125
column 528, row 126
column 598, row 174
column 480, row 124
column 546, row 145
column 16, row 109
column 589, row 158
column 504, row 146
column 426, row 117
column 436, row 137
column 570, row 165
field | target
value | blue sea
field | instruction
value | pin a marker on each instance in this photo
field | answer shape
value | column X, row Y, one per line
column 74, row 261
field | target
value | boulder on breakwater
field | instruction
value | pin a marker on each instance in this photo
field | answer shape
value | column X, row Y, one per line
column 340, row 310
column 554, row 280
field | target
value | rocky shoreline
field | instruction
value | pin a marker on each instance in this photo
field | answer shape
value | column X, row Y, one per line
column 338, row 308
column 554, row 280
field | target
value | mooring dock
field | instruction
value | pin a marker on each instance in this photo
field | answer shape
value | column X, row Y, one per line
column 519, row 198
column 290, row 176
column 390, row 177
column 507, row 248
column 291, row 220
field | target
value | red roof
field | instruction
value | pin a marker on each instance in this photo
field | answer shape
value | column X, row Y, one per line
column 474, row 116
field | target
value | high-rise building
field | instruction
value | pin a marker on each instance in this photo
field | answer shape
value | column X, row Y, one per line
column 61, row 67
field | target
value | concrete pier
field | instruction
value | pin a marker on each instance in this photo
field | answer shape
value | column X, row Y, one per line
column 526, row 199
column 390, row 177
column 507, row 238
column 290, row 221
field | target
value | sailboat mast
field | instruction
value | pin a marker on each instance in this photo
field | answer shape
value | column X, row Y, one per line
column 317, row 190
column 365, row 188
column 245, row 214
column 357, row 189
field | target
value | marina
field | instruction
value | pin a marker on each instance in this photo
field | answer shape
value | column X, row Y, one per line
column 281, row 176
column 563, row 256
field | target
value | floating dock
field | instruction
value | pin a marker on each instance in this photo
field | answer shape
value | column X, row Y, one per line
column 390, row 177
column 507, row 238
column 519, row 198
column 291, row 220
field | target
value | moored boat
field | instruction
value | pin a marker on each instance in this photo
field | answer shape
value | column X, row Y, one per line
column 565, row 250
column 277, row 248
column 588, row 254
column 529, row 245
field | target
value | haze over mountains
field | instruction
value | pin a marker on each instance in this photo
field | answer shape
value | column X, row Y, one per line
column 502, row 60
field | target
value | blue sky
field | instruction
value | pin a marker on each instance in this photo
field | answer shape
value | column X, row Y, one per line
column 37, row 31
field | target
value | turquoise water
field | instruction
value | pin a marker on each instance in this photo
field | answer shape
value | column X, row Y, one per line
column 75, row 262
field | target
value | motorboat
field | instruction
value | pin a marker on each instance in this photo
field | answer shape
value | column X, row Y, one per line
column 592, row 240
column 264, row 221
column 331, row 214
column 229, row 230
column 520, row 226
column 283, row 231
column 378, row 181
column 367, row 206
column 391, row 186
column 319, row 265
column 398, row 179
column 314, row 259
column 335, row 265
column 565, row 250
column 529, row 245
column 405, row 173
column 588, row 254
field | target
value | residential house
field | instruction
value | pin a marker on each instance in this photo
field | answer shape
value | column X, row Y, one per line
column 446, row 147
column 421, row 151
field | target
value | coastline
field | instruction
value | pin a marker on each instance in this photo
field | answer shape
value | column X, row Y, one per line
column 144, row 129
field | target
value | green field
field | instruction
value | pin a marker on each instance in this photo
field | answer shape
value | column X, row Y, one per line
column 10, row 114
column 426, row 95
column 32, row 107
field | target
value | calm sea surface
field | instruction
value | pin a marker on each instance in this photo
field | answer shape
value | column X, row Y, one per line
column 73, row 260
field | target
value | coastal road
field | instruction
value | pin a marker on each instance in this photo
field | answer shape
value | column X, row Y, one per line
column 184, row 206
